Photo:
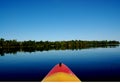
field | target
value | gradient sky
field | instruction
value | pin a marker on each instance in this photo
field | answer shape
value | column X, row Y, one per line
column 60, row 19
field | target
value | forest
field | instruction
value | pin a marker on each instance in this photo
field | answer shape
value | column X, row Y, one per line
column 13, row 46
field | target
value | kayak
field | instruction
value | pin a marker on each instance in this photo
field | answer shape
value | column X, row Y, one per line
column 61, row 73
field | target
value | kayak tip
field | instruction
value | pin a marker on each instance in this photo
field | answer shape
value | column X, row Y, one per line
column 60, row 73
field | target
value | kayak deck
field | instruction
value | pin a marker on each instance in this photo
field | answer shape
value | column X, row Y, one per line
column 61, row 73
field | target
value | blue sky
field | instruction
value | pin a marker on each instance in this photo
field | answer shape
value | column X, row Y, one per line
column 55, row 20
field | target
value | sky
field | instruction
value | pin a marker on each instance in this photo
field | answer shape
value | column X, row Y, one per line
column 57, row 20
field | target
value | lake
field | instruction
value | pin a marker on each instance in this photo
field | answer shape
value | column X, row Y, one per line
column 93, row 64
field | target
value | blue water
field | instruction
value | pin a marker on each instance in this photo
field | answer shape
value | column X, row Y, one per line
column 95, row 64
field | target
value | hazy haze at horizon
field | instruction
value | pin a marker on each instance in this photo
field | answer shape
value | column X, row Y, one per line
column 55, row 20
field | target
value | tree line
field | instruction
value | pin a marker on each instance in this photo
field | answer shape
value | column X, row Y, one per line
column 12, row 46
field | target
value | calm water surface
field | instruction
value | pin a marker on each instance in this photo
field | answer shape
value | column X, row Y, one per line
column 95, row 64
